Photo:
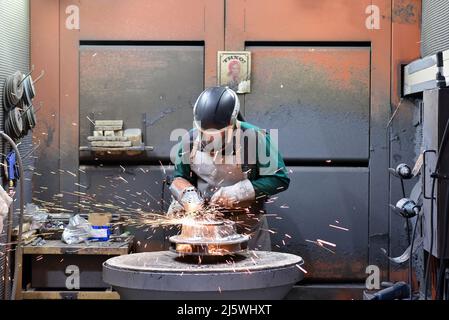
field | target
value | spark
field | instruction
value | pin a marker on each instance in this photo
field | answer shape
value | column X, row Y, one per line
column 123, row 179
column 73, row 174
column 162, row 166
column 326, row 242
column 337, row 227
column 301, row 268
column 90, row 120
column 320, row 244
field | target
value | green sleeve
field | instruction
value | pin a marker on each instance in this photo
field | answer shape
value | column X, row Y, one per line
column 182, row 165
column 272, row 175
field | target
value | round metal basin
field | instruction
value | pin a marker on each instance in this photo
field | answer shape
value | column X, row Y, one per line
column 165, row 275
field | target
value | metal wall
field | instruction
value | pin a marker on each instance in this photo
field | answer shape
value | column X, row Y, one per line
column 435, row 26
column 328, row 86
column 14, row 55
column 318, row 97
column 161, row 82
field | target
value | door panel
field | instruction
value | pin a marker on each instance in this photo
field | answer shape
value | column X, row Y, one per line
column 317, row 198
column 124, row 82
column 318, row 98
column 131, row 191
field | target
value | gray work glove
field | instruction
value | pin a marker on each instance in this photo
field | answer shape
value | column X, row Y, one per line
column 229, row 197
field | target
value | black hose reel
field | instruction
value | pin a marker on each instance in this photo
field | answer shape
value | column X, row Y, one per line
column 18, row 94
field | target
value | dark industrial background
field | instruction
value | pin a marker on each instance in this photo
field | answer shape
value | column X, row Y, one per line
column 15, row 55
column 318, row 74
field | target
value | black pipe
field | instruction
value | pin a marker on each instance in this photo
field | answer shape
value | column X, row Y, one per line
column 410, row 275
column 21, row 204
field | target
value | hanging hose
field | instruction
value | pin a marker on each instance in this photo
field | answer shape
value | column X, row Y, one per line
column 21, row 204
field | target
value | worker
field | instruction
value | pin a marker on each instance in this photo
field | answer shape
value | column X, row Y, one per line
column 5, row 202
column 214, row 166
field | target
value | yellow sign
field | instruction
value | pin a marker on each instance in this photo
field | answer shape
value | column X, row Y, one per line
column 234, row 70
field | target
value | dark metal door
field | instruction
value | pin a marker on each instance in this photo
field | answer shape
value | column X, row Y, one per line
column 125, row 82
column 319, row 100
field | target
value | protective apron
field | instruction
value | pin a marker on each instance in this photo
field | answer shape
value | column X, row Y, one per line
column 214, row 172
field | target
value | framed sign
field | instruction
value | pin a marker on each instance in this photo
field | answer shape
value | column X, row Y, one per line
column 234, row 70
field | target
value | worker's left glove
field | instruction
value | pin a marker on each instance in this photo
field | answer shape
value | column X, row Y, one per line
column 234, row 195
column 5, row 202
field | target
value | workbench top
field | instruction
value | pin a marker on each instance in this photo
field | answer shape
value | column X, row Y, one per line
column 91, row 248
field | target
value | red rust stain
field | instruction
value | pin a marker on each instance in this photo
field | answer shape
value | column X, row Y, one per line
column 337, row 269
column 340, row 67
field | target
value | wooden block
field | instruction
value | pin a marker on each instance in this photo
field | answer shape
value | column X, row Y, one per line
column 100, row 219
column 114, row 123
column 109, row 133
column 134, row 135
column 111, row 144
column 107, row 138
column 108, row 128
column 98, row 133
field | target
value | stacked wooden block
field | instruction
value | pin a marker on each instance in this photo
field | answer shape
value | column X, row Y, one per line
column 109, row 134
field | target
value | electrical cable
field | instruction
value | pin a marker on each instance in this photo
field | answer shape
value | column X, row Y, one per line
column 407, row 219
column 13, row 90
column 410, row 277
column 21, row 204
column 14, row 124
column 29, row 91
column 426, row 278
column 442, row 267
column 435, row 175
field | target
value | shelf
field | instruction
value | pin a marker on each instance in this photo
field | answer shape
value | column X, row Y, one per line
column 105, row 149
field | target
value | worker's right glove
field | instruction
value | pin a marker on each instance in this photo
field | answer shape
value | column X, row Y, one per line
column 234, row 195
column 5, row 202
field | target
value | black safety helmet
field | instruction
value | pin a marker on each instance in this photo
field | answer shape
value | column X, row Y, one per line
column 216, row 108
